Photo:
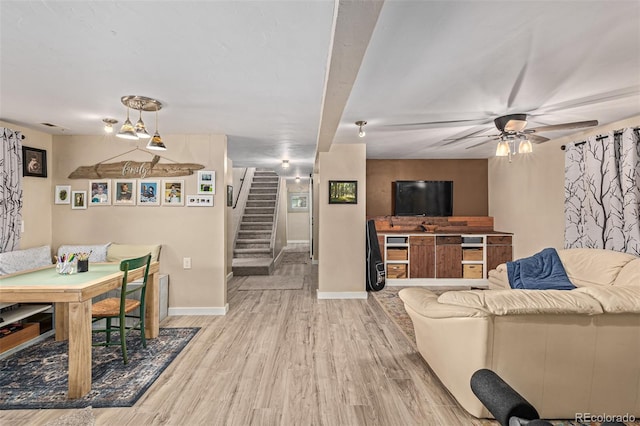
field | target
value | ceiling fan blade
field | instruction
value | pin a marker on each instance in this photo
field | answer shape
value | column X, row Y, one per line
column 482, row 143
column 593, row 99
column 537, row 139
column 563, row 126
column 515, row 125
column 516, row 86
column 440, row 123
column 468, row 135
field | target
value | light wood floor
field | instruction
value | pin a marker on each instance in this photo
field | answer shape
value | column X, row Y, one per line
column 282, row 357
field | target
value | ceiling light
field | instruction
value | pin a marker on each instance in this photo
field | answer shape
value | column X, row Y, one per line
column 141, row 130
column 297, row 179
column 108, row 124
column 525, row 147
column 285, row 164
column 127, row 130
column 156, row 141
column 361, row 125
column 503, row 149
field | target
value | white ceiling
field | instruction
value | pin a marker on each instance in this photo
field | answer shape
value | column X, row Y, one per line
column 285, row 78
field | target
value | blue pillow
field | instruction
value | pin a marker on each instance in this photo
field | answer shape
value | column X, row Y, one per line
column 542, row 271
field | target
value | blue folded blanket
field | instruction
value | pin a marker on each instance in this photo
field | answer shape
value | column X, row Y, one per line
column 542, row 271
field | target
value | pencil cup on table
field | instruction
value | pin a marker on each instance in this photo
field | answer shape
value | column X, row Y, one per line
column 67, row 266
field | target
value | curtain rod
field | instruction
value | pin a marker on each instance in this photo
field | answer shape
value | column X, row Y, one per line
column 599, row 138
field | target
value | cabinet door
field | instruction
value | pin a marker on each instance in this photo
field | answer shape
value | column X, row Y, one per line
column 422, row 257
column 381, row 244
column 497, row 255
column 448, row 261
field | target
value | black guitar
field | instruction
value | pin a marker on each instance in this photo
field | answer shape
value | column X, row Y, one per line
column 375, row 265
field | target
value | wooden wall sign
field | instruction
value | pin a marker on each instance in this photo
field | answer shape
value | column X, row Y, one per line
column 135, row 169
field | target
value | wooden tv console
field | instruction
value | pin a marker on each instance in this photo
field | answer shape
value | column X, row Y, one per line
column 459, row 251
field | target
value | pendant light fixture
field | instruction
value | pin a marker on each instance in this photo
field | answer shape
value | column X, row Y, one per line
column 525, row 147
column 108, row 124
column 156, row 141
column 139, row 131
column 361, row 124
column 285, row 164
column 297, row 179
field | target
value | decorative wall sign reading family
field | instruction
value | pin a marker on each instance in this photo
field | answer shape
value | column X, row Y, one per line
column 138, row 192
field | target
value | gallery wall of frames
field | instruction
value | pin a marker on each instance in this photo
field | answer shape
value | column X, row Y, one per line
column 139, row 192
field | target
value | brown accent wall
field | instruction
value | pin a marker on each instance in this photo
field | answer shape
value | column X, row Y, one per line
column 470, row 183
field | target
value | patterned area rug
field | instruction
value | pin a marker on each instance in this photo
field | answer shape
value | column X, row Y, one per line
column 36, row 377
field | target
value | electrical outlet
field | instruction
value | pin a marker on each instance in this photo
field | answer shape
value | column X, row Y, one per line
column 186, row 263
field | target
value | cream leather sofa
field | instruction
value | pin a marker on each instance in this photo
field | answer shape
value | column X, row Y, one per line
column 565, row 351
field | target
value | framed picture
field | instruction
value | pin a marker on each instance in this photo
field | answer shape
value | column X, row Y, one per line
column 173, row 192
column 124, row 192
column 63, row 194
column 79, row 200
column 343, row 192
column 34, row 162
column 149, row 192
column 206, row 182
column 298, row 201
column 100, row 192
column 229, row 196
column 200, row 200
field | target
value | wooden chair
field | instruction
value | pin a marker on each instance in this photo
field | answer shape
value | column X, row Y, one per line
column 123, row 307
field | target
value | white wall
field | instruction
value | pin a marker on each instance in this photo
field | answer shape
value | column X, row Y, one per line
column 341, row 270
column 526, row 196
column 298, row 222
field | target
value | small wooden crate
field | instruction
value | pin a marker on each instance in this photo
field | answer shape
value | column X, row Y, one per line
column 398, row 270
column 471, row 271
column 397, row 254
column 28, row 332
column 472, row 254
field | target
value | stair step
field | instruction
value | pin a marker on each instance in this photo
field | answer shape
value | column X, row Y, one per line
column 255, row 241
column 242, row 245
column 271, row 179
column 256, row 226
column 261, row 203
column 262, row 197
column 264, row 218
column 260, row 190
column 260, row 210
column 252, row 252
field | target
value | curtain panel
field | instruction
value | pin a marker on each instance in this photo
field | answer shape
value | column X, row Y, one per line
column 602, row 197
column 11, row 190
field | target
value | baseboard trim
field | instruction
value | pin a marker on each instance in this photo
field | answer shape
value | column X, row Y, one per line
column 342, row 294
column 297, row 241
column 229, row 276
column 200, row 311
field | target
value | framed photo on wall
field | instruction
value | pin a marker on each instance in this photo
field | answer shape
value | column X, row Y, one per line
column 63, row 194
column 149, row 192
column 34, row 162
column 173, row 192
column 124, row 192
column 343, row 192
column 206, row 182
column 100, row 192
column 298, row 202
column 229, row 196
column 78, row 200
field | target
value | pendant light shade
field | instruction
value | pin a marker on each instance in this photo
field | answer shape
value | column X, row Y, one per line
column 156, row 141
column 127, row 131
column 361, row 132
column 525, row 147
column 503, row 149
column 141, row 130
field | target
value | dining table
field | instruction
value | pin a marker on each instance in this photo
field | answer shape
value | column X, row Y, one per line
column 71, row 295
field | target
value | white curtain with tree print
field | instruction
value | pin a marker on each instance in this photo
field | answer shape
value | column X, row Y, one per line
column 11, row 190
column 602, row 197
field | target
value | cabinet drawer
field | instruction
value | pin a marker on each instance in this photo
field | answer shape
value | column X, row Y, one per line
column 471, row 271
column 499, row 239
column 397, row 254
column 28, row 332
column 396, row 271
column 472, row 254
column 397, row 240
column 449, row 239
column 421, row 241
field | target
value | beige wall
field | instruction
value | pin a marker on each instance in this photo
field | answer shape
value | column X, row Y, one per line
column 298, row 222
column 196, row 232
column 526, row 196
column 342, row 227
column 37, row 193
column 281, row 227
column 230, row 229
column 469, row 183
column 315, row 211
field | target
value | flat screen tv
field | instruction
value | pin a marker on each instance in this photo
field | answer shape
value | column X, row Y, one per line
column 423, row 198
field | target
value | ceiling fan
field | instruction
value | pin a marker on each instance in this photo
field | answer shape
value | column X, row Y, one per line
column 512, row 128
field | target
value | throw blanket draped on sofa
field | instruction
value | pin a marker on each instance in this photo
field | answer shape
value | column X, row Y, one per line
column 542, row 271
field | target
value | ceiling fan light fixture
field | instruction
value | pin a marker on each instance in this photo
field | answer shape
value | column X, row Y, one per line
column 361, row 124
column 503, row 149
column 525, row 147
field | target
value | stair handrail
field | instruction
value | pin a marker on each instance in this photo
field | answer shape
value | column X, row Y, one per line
column 274, row 227
column 237, row 215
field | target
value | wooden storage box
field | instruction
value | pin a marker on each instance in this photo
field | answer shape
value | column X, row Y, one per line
column 398, row 270
column 28, row 332
column 472, row 254
column 471, row 271
column 397, row 254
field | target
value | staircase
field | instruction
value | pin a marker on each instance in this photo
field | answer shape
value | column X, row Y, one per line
column 253, row 252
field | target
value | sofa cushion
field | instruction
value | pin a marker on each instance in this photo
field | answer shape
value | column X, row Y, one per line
column 21, row 260
column 425, row 303
column 617, row 299
column 524, row 302
column 119, row 252
column 98, row 251
column 587, row 266
column 629, row 274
